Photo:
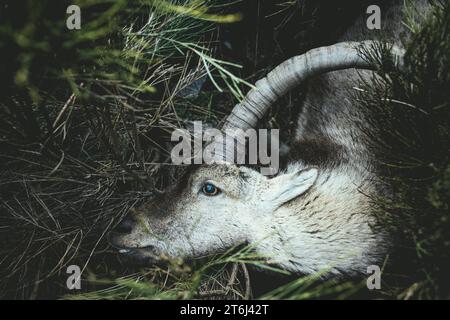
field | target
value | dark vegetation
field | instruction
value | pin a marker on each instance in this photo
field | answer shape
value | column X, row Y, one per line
column 85, row 123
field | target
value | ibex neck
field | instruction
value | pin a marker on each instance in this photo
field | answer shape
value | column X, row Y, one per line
column 329, row 229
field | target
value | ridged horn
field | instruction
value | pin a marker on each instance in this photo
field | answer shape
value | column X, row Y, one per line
column 292, row 72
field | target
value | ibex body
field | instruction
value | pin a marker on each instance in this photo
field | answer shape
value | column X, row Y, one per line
column 315, row 216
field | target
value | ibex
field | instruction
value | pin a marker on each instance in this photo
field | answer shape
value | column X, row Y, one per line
column 318, row 213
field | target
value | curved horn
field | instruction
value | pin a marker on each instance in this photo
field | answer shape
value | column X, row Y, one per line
column 291, row 73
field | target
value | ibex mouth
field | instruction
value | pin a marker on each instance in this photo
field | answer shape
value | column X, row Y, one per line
column 125, row 250
column 145, row 255
column 117, row 243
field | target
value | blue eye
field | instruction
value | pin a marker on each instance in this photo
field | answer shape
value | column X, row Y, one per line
column 209, row 189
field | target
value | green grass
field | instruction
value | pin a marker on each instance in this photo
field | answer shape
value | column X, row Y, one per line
column 414, row 107
column 86, row 121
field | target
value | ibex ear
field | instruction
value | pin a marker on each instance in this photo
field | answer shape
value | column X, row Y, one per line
column 289, row 186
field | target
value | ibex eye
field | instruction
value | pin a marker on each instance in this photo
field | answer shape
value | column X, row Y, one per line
column 209, row 189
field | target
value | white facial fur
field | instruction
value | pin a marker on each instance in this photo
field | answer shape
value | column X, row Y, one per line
column 282, row 217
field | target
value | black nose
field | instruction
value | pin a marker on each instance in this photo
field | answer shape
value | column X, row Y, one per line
column 125, row 226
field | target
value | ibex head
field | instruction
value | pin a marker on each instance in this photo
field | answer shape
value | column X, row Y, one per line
column 217, row 206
